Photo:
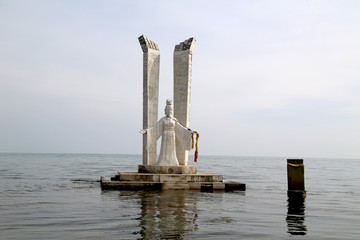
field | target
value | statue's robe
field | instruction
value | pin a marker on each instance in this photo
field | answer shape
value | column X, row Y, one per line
column 169, row 128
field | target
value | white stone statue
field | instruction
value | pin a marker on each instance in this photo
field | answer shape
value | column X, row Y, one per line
column 169, row 128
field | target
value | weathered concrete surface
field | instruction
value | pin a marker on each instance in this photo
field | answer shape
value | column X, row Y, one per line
column 167, row 169
column 175, row 186
column 145, row 185
column 232, row 185
column 177, row 178
column 218, row 186
column 151, row 70
column 182, row 89
column 128, row 185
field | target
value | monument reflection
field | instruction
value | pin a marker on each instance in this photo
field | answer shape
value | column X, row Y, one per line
column 295, row 218
column 167, row 214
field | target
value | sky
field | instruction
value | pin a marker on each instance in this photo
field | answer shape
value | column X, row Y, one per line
column 270, row 78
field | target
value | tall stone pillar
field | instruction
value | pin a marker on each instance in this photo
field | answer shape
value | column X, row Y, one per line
column 151, row 67
column 182, row 90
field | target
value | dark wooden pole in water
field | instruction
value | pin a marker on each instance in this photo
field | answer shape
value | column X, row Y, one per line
column 295, row 173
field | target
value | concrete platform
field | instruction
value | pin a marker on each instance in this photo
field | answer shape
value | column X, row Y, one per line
column 128, row 185
column 175, row 178
column 200, row 186
column 167, row 169
column 141, row 181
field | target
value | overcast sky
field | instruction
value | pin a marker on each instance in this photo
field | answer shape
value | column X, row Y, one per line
column 270, row 78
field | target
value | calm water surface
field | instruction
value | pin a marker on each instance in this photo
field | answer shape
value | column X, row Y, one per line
column 58, row 196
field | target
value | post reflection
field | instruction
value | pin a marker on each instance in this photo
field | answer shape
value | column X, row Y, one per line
column 167, row 214
column 296, row 216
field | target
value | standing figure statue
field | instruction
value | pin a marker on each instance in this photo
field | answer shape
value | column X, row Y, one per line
column 169, row 128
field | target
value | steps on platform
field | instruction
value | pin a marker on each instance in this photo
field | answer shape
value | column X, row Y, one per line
column 140, row 181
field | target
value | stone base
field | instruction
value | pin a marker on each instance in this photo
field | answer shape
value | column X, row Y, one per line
column 142, row 181
column 200, row 186
column 175, row 178
column 167, row 169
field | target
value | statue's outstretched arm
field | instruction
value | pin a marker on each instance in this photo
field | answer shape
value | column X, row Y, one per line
column 155, row 131
column 143, row 131
column 183, row 125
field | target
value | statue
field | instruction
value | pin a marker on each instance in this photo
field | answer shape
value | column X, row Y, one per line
column 170, row 129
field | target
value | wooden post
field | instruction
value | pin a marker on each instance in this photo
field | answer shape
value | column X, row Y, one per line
column 295, row 173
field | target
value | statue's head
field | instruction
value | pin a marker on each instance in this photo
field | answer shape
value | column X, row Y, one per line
column 169, row 108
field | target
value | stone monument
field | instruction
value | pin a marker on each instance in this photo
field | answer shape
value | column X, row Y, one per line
column 169, row 129
column 171, row 170
column 182, row 90
column 151, row 69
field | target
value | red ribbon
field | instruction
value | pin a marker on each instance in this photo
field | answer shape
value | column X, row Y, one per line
column 196, row 145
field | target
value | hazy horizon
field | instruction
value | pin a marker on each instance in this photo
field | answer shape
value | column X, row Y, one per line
column 191, row 155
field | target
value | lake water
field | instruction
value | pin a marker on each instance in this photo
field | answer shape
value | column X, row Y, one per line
column 58, row 196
